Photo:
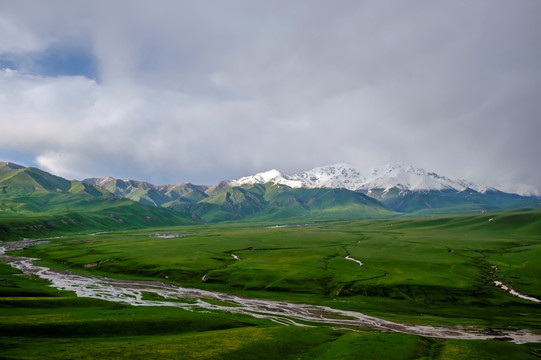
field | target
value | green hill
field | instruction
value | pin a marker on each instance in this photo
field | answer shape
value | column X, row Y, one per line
column 260, row 201
column 30, row 191
column 35, row 203
column 279, row 202
column 450, row 201
column 146, row 193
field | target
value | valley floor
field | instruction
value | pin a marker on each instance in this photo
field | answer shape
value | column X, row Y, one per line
column 436, row 275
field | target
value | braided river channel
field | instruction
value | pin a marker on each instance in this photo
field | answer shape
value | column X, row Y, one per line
column 139, row 293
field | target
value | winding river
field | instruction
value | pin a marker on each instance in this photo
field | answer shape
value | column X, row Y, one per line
column 133, row 292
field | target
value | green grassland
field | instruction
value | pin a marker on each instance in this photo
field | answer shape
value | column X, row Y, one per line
column 90, row 215
column 40, row 322
column 435, row 271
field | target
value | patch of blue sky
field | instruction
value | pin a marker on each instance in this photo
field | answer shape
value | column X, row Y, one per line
column 18, row 157
column 54, row 61
column 6, row 63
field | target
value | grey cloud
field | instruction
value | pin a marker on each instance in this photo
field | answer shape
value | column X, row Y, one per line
column 211, row 90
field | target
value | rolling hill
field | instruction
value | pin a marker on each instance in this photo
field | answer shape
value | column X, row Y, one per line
column 35, row 203
column 279, row 202
column 146, row 193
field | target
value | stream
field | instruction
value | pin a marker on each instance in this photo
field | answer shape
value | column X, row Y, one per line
column 133, row 292
column 353, row 259
column 510, row 290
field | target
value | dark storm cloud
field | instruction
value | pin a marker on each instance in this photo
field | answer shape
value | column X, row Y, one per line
column 201, row 92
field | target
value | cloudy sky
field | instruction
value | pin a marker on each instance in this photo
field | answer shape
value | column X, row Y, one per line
column 173, row 91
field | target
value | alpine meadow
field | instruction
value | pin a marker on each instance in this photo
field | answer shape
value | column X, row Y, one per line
column 303, row 272
column 270, row 180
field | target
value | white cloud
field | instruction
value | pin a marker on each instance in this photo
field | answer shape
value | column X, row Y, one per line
column 192, row 92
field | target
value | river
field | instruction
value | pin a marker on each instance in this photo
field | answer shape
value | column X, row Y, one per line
column 133, row 292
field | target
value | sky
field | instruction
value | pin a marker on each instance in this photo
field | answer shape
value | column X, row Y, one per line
column 202, row 91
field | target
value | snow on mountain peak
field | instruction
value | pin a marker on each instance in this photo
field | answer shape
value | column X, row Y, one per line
column 332, row 176
column 273, row 176
column 341, row 175
column 269, row 175
column 408, row 177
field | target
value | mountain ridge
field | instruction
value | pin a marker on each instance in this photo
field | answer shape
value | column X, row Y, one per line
column 148, row 193
column 34, row 202
column 337, row 191
column 398, row 189
column 341, row 175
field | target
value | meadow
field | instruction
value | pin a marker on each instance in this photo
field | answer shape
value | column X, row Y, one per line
column 432, row 271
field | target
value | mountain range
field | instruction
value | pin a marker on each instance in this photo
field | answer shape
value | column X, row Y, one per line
column 406, row 178
column 32, row 200
column 382, row 191
column 36, row 203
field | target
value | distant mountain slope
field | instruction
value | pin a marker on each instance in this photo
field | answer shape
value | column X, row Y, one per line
column 329, row 192
column 262, row 200
column 347, row 177
column 403, row 189
column 16, row 179
column 33, row 201
column 280, row 202
column 146, row 193
column 271, row 176
column 450, row 201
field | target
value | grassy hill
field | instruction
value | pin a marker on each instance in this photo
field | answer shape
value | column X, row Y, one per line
column 146, row 193
column 279, row 202
column 32, row 192
column 450, row 201
column 271, row 201
column 36, row 203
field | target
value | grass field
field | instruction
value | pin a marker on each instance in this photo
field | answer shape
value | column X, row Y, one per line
column 436, row 271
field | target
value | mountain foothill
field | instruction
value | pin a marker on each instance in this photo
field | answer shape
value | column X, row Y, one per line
column 35, row 201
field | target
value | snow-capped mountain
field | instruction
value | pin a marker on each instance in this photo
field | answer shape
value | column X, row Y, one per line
column 348, row 177
column 339, row 190
column 272, row 176
column 333, row 176
column 410, row 178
